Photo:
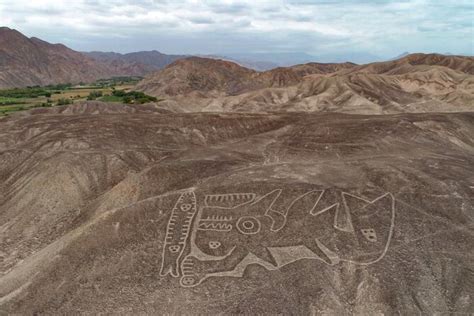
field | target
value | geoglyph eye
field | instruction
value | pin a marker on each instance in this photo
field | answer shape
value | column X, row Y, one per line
column 369, row 234
column 214, row 244
column 248, row 225
column 186, row 207
column 174, row 248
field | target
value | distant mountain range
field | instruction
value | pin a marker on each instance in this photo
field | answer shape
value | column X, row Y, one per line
column 414, row 83
column 149, row 60
column 31, row 61
column 208, row 77
column 294, row 58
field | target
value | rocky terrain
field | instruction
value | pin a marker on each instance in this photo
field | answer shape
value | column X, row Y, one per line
column 128, row 209
column 145, row 61
column 413, row 83
column 31, row 61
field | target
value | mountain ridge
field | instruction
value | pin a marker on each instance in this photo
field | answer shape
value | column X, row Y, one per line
column 32, row 61
column 148, row 61
column 416, row 82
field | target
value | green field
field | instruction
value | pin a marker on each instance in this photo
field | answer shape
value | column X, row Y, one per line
column 5, row 110
column 10, row 101
column 118, row 90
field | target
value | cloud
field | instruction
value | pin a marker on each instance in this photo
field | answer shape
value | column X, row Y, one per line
column 381, row 27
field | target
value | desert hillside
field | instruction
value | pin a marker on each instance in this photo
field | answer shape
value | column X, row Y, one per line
column 31, row 61
column 414, row 83
column 144, row 62
column 108, row 209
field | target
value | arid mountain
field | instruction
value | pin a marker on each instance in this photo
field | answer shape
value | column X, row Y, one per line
column 115, row 62
column 415, row 83
column 257, row 65
column 30, row 61
column 419, row 62
column 213, row 77
column 282, row 59
column 200, row 76
column 121, row 209
column 148, row 61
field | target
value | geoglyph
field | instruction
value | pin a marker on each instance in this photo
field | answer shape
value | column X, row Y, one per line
column 225, row 233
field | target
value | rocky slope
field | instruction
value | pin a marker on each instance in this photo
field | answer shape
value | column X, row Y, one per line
column 409, row 63
column 209, row 78
column 144, row 61
column 30, row 61
column 414, row 83
column 138, row 210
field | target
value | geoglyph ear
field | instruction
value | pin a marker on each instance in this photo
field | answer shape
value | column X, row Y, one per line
column 358, row 206
column 383, row 205
column 384, row 200
column 343, row 220
column 353, row 203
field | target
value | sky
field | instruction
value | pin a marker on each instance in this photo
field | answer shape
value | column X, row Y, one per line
column 319, row 28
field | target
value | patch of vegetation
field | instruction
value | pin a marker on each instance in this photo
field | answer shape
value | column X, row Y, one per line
column 5, row 110
column 115, row 81
column 10, row 101
column 87, row 87
column 106, row 90
column 93, row 95
column 109, row 83
column 63, row 86
column 31, row 92
column 64, row 101
column 133, row 97
column 43, row 105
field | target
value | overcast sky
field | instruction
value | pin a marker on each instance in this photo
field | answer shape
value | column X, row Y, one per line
column 378, row 27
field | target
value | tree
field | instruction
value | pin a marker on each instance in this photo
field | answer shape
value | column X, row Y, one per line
column 128, row 99
column 64, row 101
column 94, row 95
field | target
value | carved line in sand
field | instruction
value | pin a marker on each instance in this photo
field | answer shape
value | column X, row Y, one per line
column 282, row 255
column 229, row 201
column 176, row 237
column 240, row 199
column 215, row 226
column 248, row 225
column 215, row 223
column 368, row 234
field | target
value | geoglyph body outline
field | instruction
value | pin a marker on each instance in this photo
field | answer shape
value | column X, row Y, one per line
column 283, row 255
